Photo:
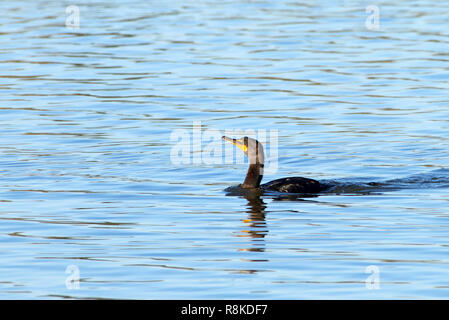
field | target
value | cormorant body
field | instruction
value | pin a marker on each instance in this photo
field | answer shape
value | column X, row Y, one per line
column 294, row 185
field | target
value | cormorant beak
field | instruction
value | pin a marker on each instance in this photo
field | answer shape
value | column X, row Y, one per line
column 239, row 143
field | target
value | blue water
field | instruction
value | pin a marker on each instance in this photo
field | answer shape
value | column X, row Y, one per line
column 87, row 181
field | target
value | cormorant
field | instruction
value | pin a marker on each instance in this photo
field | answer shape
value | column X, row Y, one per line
column 254, row 151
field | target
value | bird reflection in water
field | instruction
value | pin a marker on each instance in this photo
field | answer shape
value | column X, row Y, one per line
column 255, row 224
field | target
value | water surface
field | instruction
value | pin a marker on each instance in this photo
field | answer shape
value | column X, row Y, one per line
column 86, row 177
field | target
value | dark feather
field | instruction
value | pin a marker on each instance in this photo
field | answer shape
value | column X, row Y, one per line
column 294, row 185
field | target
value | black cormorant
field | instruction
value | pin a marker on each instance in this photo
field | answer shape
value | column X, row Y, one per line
column 254, row 151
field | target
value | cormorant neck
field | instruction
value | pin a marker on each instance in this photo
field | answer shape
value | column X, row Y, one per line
column 253, row 176
column 256, row 158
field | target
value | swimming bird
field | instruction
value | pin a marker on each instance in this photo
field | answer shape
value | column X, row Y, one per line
column 253, row 149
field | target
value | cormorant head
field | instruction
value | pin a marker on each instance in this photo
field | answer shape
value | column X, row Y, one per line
column 254, row 150
column 251, row 147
